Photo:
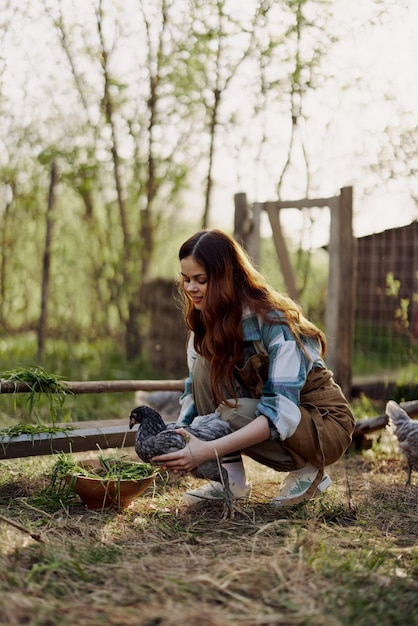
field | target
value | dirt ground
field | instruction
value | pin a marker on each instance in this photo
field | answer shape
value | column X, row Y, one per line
column 349, row 556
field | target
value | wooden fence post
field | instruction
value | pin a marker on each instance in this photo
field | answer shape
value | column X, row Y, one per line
column 341, row 290
column 281, row 248
column 253, row 243
column 46, row 265
column 242, row 222
column 247, row 226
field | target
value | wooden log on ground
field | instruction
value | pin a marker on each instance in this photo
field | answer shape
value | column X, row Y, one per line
column 372, row 424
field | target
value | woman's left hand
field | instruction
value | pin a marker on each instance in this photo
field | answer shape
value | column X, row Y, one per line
column 193, row 454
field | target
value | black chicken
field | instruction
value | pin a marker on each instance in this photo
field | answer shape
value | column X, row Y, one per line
column 155, row 437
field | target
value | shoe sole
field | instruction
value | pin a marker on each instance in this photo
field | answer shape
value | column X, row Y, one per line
column 190, row 500
column 218, row 495
column 318, row 486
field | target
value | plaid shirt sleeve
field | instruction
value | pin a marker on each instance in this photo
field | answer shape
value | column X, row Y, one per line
column 289, row 367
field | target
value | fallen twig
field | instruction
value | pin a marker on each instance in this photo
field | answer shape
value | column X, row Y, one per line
column 35, row 536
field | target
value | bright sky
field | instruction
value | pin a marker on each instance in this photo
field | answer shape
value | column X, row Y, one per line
column 343, row 132
column 384, row 59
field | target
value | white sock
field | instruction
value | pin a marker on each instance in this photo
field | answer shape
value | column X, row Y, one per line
column 235, row 468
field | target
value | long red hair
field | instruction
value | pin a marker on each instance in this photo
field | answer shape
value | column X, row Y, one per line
column 233, row 284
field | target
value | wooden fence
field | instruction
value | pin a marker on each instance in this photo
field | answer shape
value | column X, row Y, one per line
column 82, row 436
column 105, row 434
column 340, row 307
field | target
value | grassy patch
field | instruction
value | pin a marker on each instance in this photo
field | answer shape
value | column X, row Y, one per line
column 68, row 361
column 347, row 557
column 379, row 349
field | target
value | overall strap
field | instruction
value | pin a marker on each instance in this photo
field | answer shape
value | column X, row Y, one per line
column 259, row 347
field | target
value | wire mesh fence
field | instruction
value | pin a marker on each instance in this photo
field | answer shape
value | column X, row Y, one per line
column 386, row 319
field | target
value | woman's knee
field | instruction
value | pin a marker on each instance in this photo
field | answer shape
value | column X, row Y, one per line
column 240, row 414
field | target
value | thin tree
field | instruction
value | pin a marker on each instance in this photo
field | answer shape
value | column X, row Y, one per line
column 304, row 60
column 46, row 265
column 219, row 70
column 9, row 196
column 155, row 58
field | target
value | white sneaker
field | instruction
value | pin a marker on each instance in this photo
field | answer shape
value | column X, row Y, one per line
column 301, row 485
column 215, row 491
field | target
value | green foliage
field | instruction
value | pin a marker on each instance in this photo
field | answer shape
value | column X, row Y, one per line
column 99, row 360
column 393, row 287
column 378, row 349
column 40, row 383
column 129, row 138
column 363, row 406
column 112, row 468
column 31, row 429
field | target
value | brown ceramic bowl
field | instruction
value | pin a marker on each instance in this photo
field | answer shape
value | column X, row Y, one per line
column 97, row 493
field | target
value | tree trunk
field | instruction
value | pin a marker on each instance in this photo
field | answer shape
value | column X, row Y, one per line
column 134, row 338
column 209, row 178
column 46, row 266
column 3, row 262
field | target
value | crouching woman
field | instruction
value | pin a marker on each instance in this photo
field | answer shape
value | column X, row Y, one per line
column 255, row 359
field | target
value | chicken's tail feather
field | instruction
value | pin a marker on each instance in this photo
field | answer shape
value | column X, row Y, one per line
column 397, row 417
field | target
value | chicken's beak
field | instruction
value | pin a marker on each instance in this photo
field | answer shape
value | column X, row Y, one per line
column 132, row 422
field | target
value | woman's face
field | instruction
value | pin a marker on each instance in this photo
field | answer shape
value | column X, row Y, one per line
column 195, row 281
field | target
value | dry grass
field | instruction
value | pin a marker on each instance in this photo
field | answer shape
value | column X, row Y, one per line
column 348, row 557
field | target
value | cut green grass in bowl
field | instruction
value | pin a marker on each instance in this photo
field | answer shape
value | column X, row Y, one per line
column 102, row 482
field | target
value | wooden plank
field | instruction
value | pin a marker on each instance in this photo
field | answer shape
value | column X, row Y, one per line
column 102, row 386
column 281, row 249
column 372, row 424
column 254, row 239
column 77, row 440
column 304, row 203
column 341, row 291
column 84, row 436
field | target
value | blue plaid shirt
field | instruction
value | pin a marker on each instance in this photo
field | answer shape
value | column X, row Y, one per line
column 289, row 367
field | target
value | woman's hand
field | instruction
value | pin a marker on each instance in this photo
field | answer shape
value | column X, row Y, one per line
column 197, row 451
column 193, row 454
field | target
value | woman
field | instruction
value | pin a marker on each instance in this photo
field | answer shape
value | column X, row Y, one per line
column 255, row 359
